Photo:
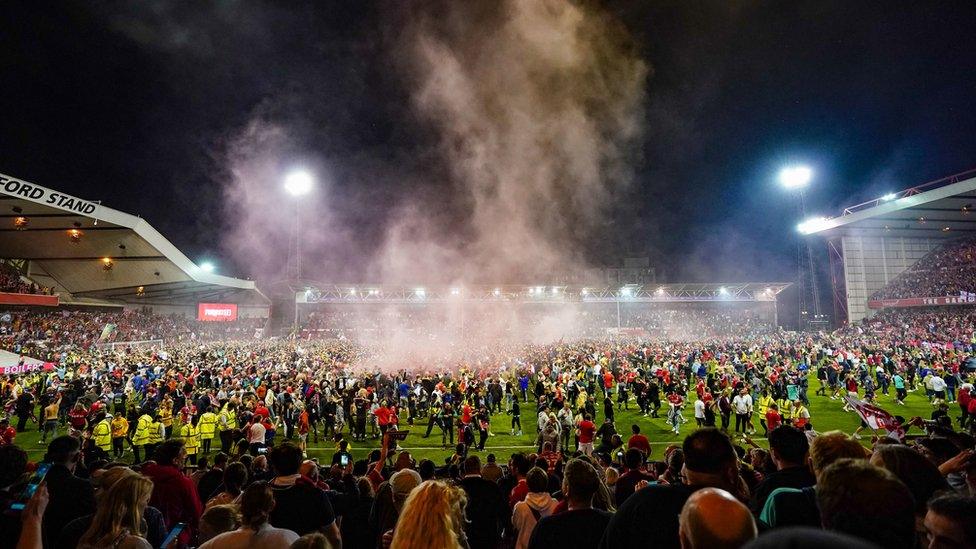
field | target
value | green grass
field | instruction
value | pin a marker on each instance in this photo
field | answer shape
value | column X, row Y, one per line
column 826, row 415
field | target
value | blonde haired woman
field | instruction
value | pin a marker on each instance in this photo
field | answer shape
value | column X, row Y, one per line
column 118, row 522
column 432, row 517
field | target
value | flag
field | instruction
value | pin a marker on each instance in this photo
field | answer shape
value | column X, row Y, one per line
column 107, row 331
column 876, row 417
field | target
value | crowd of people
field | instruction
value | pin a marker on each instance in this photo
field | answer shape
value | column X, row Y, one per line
column 946, row 271
column 12, row 282
column 210, row 438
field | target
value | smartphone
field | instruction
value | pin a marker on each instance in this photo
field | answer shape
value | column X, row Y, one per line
column 263, row 450
column 173, row 534
column 344, row 460
column 36, row 479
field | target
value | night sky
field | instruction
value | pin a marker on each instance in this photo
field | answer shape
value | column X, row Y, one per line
column 137, row 107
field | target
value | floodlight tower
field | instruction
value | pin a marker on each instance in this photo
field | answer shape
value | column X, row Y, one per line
column 298, row 184
column 796, row 179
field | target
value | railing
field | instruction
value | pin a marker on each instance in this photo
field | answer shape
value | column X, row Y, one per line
column 942, row 182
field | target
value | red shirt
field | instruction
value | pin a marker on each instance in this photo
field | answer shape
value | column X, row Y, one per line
column 382, row 415
column 7, row 436
column 773, row 419
column 518, row 493
column 587, row 430
column 640, row 442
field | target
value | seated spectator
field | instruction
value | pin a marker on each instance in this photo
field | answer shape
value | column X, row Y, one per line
column 537, row 505
column 299, row 506
column 174, row 494
column 798, row 507
column 867, row 502
column 432, row 517
column 626, row 483
column 920, row 476
column 788, row 449
column 216, row 520
column 255, row 532
column 580, row 526
column 713, row 519
column 70, row 497
column 118, row 520
column 950, row 523
column 652, row 512
column 235, row 478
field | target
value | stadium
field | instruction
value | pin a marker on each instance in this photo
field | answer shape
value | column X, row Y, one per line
column 510, row 275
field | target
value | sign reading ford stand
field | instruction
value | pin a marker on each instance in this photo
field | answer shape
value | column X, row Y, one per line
column 42, row 195
column 217, row 312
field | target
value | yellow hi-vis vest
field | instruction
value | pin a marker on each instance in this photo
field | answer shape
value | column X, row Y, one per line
column 231, row 419
column 155, row 433
column 764, row 403
column 191, row 438
column 207, row 425
column 142, row 430
column 102, row 433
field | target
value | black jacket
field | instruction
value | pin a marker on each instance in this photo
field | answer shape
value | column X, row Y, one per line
column 70, row 498
column 487, row 511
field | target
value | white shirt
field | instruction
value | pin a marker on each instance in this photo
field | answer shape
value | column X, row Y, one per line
column 700, row 409
column 266, row 537
column 938, row 384
column 742, row 404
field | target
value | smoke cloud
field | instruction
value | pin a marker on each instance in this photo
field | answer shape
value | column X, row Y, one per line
column 537, row 107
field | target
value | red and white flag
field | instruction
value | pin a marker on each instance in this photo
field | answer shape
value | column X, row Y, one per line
column 876, row 417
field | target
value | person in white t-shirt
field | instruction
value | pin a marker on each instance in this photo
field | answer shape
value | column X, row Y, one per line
column 256, row 435
column 255, row 533
column 742, row 406
column 700, row 412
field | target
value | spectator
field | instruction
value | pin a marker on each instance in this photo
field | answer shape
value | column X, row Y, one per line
column 917, row 473
column 949, row 522
column 173, row 492
column 626, row 483
column 491, row 471
column 580, row 526
column 639, row 441
column 13, row 465
column 713, row 519
column 70, row 496
column 652, row 513
column 210, row 482
column 798, row 507
column 789, row 450
column 537, row 505
column 118, row 520
column 216, row 520
column 299, row 506
column 255, row 531
column 432, row 517
column 867, row 502
column 235, row 479
column 486, row 510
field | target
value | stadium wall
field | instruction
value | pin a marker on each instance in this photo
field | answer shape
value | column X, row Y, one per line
column 871, row 262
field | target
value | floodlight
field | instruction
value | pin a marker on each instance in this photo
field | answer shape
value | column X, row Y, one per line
column 795, row 177
column 723, row 290
column 420, row 292
column 207, row 267
column 812, row 225
column 888, row 197
column 299, row 183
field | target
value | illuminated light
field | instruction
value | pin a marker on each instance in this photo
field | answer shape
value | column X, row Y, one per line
column 299, row 183
column 889, row 197
column 887, row 228
column 945, row 229
column 531, row 291
column 455, row 291
column 625, row 292
column 921, row 220
column 769, row 290
column 75, row 235
column 584, row 291
column 352, row 291
column 420, row 292
column 374, row 292
column 140, row 290
column 20, row 223
column 107, row 264
column 555, row 291
column 795, row 177
column 308, row 293
column 660, row 291
column 723, row 290
column 812, row 225
column 497, row 292
column 539, row 290
column 207, row 267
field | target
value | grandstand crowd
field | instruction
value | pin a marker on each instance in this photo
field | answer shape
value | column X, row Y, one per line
column 211, row 430
column 946, row 271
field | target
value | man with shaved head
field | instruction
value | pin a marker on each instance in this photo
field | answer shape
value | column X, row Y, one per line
column 712, row 518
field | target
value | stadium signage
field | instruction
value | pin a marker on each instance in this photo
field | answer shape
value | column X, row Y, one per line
column 217, row 312
column 919, row 302
column 43, row 195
